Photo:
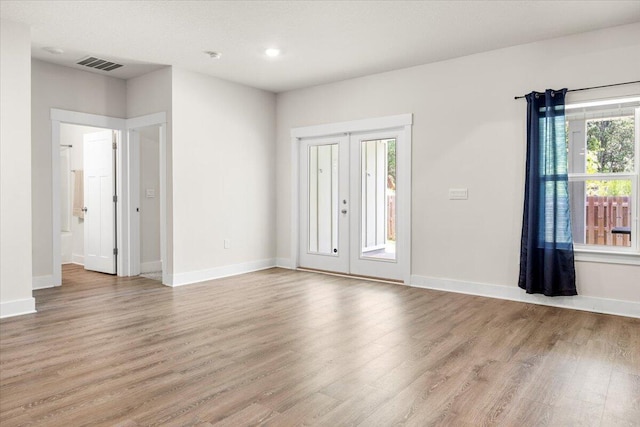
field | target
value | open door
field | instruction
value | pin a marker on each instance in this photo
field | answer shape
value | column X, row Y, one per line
column 100, row 202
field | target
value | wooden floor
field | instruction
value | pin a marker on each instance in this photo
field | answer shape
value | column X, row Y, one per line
column 283, row 348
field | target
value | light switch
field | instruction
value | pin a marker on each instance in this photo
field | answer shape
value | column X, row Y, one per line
column 458, row 194
column 227, row 243
column 150, row 193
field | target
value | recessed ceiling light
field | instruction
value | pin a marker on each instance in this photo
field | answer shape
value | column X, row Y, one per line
column 53, row 50
column 212, row 54
column 272, row 52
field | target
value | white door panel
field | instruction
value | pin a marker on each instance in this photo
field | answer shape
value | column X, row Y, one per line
column 99, row 189
column 323, row 209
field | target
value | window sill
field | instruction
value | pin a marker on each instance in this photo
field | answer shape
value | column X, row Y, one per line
column 608, row 257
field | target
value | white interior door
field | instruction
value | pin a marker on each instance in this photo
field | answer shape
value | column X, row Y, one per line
column 99, row 191
column 354, row 191
column 324, row 237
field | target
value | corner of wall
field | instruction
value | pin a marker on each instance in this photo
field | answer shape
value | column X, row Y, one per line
column 15, row 170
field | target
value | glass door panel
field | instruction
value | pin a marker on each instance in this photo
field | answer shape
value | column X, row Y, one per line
column 323, row 199
column 378, row 192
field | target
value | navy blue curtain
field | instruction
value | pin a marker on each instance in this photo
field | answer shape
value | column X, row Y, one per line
column 546, row 252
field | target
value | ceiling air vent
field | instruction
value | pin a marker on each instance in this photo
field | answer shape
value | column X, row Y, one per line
column 99, row 64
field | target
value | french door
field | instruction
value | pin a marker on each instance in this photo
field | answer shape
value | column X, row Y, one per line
column 353, row 190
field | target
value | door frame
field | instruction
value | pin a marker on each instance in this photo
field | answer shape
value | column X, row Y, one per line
column 359, row 263
column 123, row 190
column 133, row 125
column 346, row 128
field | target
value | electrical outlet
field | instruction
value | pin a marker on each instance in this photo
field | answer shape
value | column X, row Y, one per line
column 227, row 243
column 458, row 194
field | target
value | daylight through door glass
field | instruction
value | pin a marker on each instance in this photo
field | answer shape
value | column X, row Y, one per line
column 378, row 204
column 323, row 199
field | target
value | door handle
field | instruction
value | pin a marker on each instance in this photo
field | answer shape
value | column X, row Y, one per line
column 85, row 209
column 344, row 211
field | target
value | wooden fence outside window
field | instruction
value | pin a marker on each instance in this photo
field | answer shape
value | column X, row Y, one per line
column 603, row 213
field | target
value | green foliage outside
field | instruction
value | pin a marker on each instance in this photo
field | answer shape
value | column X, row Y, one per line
column 391, row 160
column 610, row 149
column 612, row 142
column 608, row 188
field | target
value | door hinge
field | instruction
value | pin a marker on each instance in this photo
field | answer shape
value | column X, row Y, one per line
column 113, row 140
column 115, row 199
column 115, row 251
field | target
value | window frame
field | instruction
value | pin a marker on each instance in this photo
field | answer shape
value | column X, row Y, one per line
column 602, row 253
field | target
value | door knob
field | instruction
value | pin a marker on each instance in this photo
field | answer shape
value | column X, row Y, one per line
column 344, row 211
column 84, row 209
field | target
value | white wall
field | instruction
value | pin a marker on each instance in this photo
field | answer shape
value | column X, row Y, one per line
column 15, row 170
column 148, row 94
column 54, row 86
column 149, row 206
column 223, row 176
column 469, row 132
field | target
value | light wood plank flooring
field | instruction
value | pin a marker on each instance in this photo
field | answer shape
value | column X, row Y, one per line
column 283, row 348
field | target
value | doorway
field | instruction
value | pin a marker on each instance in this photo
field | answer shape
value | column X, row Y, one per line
column 146, row 212
column 354, row 199
column 127, row 258
column 144, row 151
column 87, row 197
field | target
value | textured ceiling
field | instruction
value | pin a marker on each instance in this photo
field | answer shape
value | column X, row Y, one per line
column 322, row 41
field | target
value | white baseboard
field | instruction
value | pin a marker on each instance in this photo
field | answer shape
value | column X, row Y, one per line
column 285, row 263
column 77, row 259
column 17, row 307
column 180, row 279
column 150, row 266
column 42, row 282
column 514, row 293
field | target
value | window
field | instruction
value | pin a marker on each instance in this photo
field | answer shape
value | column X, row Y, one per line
column 604, row 156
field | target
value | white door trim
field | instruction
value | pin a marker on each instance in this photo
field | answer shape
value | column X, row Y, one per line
column 363, row 125
column 148, row 120
column 86, row 119
column 123, row 214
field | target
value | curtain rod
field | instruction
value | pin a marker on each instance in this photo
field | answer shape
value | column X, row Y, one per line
column 589, row 88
